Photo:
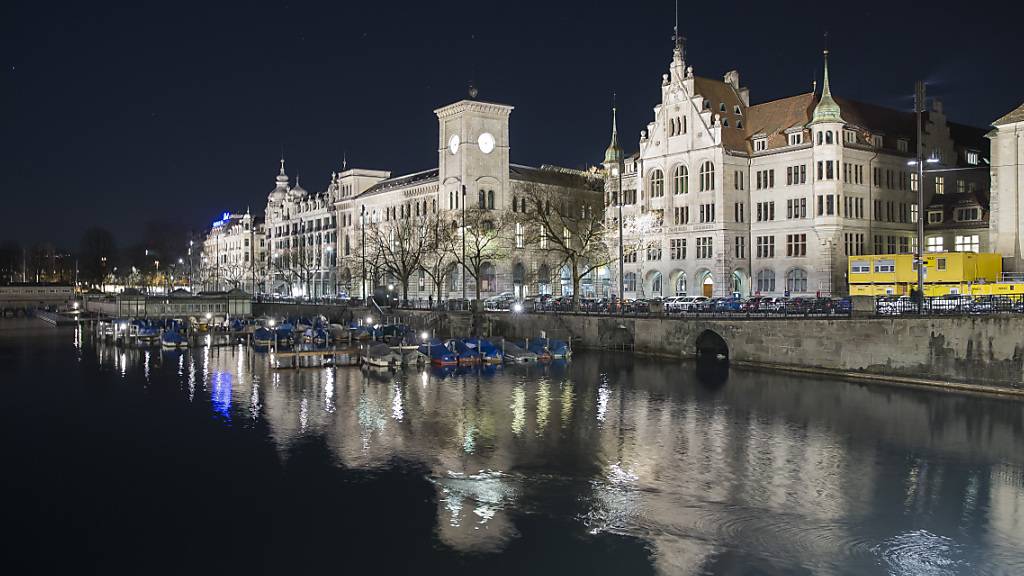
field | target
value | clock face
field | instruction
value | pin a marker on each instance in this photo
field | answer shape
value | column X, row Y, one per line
column 486, row 142
column 453, row 143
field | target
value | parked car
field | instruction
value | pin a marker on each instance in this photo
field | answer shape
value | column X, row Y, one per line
column 949, row 304
column 690, row 303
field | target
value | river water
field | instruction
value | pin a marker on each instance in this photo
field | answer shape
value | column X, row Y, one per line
column 126, row 461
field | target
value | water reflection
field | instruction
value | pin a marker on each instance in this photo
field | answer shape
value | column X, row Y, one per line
column 711, row 468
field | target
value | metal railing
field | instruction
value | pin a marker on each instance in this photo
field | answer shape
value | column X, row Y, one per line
column 952, row 304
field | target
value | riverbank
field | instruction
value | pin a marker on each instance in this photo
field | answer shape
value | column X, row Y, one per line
column 977, row 354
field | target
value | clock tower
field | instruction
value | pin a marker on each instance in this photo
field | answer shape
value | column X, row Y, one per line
column 472, row 151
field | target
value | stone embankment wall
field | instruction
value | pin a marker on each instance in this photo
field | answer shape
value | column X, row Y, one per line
column 978, row 350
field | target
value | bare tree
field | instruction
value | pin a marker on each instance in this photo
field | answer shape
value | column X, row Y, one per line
column 479, row 238
column 401, row 245
column 438, row 260
column 298, row 264
column 638, row 237
column 568, row 224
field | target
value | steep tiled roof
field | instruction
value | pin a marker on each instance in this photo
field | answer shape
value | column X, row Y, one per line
column 717, row 92
column 1015, row 116
column 773, row 118
column 948, row 203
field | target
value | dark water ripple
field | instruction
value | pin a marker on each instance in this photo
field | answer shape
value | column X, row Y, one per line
column 207, row 461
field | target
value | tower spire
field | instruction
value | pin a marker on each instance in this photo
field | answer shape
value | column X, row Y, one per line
column 344, row 160
column 613, row 155
column 678, row 68
column 827, row 109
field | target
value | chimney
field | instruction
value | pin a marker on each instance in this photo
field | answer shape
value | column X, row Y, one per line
column 732, row 77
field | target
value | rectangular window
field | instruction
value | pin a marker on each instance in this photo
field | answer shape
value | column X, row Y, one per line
column 738, row 212
column 885, row 266
column 677, row 249
column 766, row 246
column 968, row 243
column 830, row 204
column 966, row 214
column 935, row 217
column 519, row 235
column 796, row 245
column 796, row 139
column 704, row 247
column 933, row 244
column 741, row 247
column 860, row 267
column 940, row 184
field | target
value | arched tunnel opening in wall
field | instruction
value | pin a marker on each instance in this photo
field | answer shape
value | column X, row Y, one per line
column 712, row 347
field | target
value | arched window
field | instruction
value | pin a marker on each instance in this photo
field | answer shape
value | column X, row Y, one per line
column 681, row 284
column 480, row 199
column 681, row 180
column 707, row 176
column 766, row 281
column 490, row 199
column 828, row 137
column 451, row 204
column 629, row 282
column 656, row 283
column 657, row 184
column 796, row 280
column 518, row 273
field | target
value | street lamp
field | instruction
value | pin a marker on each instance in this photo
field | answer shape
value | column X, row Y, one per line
column 919, row 98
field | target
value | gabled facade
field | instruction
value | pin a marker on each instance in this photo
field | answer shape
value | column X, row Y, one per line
column 769, row 198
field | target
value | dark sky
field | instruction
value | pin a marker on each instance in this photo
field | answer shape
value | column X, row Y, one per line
column 115, row 114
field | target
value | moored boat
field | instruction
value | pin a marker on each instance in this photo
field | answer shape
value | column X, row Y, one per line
column 172, row 339
column 438, row 355
column 381, row 355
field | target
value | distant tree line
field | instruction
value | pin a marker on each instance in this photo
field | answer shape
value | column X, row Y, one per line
column 100, row 260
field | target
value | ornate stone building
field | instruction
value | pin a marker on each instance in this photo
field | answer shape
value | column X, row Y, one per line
column 726, row 196
column 234, row 254
column 1006, row 224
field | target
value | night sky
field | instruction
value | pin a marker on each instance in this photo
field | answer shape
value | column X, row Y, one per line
column 117, row 114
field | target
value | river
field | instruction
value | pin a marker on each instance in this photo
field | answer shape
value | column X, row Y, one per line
column 207, row 461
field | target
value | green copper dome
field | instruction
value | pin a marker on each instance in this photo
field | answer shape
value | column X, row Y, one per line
column 827, row 109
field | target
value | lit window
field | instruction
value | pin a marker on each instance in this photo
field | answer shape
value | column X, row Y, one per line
column 940, row 185
column 933, row 244
column 972, row 157
column 968, row 243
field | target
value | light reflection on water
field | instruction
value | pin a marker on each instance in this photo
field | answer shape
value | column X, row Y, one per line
column 744, row 468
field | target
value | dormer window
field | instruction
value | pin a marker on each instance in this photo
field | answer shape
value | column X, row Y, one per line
column 972, row 157
column 849, row 137
column 725, row 122
column 967, row 214
column 796, row 138
column 707, row 105
column 739, row 123
column 902, row 145
column 721, row 107
column 876, row 140
column 935, row 217
column 760, row 144
column 736, row 110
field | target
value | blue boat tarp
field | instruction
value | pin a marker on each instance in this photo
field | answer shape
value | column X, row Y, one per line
column 436, row 351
